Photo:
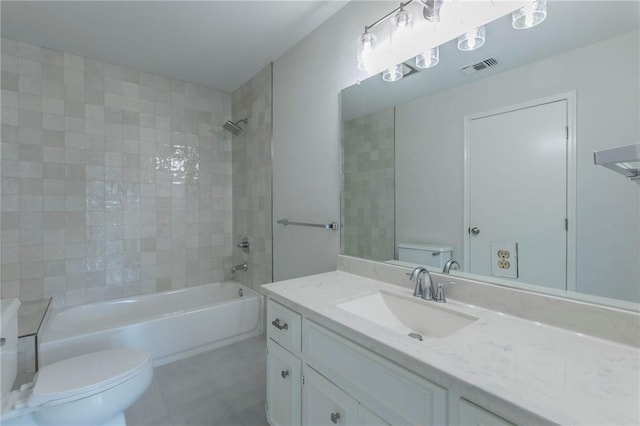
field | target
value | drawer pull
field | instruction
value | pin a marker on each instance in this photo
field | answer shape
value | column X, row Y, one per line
column 276, row 324
column 2, row 341
column 284, row 374
column 335, row 417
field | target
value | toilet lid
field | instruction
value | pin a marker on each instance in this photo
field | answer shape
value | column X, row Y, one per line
column 85, row 375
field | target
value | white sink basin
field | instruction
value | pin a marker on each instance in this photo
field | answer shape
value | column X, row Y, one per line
column 407, row 314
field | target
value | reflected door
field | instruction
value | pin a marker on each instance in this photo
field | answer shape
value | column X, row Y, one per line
column 517, row 194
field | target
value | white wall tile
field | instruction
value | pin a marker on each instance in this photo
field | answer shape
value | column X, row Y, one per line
column 95, row 159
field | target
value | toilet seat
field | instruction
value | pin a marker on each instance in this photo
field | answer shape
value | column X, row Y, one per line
column 86, row 375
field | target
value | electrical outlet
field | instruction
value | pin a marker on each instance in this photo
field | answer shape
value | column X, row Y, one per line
column 504, row 264
column 503, row 254
column 504, row 259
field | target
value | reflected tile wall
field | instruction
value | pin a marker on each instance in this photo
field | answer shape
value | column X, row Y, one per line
column 252, row 178
column 114, row 182
column 368, row 193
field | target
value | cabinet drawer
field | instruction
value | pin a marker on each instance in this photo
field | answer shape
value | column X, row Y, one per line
column 374, row 381
column 284, row 326
column 473, row 415
column 323, row 403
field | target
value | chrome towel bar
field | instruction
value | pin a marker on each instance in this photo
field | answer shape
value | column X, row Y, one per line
column 333, row 225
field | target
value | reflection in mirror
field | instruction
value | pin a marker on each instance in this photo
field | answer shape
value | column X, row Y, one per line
column 495, row 168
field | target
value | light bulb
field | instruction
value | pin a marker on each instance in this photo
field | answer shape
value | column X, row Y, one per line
column 431, row 10
column 366, row 42
column 428, row 59
column 393, row 74
column 472, row 40
column 529, row 16
column 402, row 19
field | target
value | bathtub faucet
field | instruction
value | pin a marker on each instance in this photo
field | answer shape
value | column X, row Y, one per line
column 242, row 267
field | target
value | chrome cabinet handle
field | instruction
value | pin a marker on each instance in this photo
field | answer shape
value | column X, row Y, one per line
column 2, row 341
column 284, row 374
column 335, row 417
column 475, row 230
column 244, row 245
column 276, row 324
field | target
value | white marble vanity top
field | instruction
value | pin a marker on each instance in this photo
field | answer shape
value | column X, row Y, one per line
column 557, row 375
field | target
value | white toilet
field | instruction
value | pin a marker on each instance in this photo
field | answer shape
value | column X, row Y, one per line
column 422, row 254
column 91, row 389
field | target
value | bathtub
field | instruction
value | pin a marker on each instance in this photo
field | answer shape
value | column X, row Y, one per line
column 170, row 325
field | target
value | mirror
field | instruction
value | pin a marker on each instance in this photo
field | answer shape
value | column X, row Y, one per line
column 441, row 153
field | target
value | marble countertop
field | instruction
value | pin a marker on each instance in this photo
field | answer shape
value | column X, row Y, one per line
column 553, row 374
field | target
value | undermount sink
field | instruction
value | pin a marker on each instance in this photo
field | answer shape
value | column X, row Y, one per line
column 407, row 315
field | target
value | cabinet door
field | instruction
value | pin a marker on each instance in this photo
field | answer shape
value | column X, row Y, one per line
column 473, row 415
column 283, row 386
column 367, row 418
column 326, row 404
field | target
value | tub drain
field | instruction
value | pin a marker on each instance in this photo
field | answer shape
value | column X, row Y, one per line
column 416, row 336
column 240, row 293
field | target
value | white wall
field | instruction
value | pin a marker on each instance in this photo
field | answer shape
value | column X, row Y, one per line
column 429, row 149
column 306, row 139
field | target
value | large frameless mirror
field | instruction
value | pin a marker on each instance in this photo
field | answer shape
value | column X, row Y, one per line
column 487, row 158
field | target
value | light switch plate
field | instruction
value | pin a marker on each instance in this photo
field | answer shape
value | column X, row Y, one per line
column 504, row 259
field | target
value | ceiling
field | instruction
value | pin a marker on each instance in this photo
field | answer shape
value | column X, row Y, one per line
column 569, row 25
column 219, row 44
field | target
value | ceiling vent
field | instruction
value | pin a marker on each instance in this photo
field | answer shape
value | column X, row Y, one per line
column 472, row 69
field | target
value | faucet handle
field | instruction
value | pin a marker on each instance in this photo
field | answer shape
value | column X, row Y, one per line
column 440, row 296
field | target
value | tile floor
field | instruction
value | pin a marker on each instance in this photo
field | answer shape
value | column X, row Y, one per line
column 225, row 386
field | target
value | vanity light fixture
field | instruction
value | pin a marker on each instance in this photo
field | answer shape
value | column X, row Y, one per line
column 431, row 10
column 529, row 16
column 416, row 29
column 365, row 45
column 393, row 74
column 428, row 59
column 472, row 40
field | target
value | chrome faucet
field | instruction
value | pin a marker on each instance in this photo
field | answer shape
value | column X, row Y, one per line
column 448, row 265
column 422, row 290
column 242, row 267
column 440, row 297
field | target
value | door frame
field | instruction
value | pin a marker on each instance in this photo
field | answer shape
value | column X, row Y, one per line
column 570, row 98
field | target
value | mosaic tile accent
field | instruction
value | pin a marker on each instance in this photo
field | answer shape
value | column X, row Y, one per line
column 252, row 172
column 368, row 186
column 115, row 182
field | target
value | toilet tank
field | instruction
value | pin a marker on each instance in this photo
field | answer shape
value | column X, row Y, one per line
column 424, row 254
column 9, row 345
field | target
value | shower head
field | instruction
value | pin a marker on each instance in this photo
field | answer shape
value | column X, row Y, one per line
column 234, row 127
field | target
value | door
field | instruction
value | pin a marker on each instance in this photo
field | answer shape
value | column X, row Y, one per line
column 283, row 386
column 517, row 194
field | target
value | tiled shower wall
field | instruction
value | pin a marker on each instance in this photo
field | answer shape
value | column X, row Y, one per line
column 114, row 182
column 251, row 153
column 368, row 192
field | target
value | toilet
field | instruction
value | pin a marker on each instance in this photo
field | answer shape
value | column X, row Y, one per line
column 90, row 389
column 422, row 254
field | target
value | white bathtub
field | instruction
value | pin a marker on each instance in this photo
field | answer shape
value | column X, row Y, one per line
column 170, row 325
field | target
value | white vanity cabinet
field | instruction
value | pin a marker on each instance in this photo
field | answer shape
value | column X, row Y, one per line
column 331, row 380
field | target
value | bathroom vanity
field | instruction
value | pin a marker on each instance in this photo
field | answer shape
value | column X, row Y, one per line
column 339, row 352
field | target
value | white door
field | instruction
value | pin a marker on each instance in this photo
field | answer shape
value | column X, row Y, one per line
column 517, row 194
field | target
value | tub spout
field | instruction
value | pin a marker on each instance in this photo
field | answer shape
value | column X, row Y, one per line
column 242, row 267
